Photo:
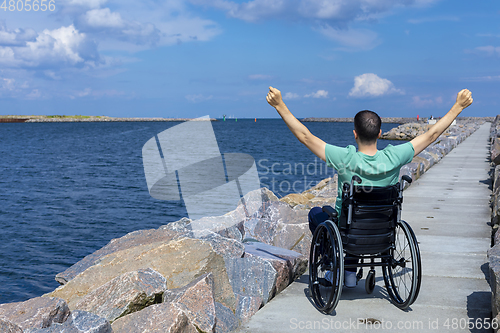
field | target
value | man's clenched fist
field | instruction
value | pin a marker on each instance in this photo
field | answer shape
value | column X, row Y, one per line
column 464, row 98
column 274, row 97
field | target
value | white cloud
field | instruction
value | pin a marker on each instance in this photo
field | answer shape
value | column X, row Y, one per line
column 434, row 19
column 259, row 77
column 57, row 48
column 17, row 37
column 290, row 95
column 426, row 101
column 483, row 78
column 85, row 3
column 351, row 39
column 88, row 92
column 337, row 13
column 104, row 18
column 371, row 85
column 198, row 98
column 488, row 50
column 34, row 94
column 318, row 94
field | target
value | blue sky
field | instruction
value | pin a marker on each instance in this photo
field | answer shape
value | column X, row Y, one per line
column 190, row 58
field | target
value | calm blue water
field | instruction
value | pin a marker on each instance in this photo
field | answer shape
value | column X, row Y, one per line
column 67, row 189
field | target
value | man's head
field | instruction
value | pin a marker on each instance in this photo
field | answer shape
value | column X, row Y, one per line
column 367, row 126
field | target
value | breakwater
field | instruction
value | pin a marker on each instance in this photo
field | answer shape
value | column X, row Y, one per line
column 79, row 119
column 187, row 282
column 394, row 120
column 494, row 252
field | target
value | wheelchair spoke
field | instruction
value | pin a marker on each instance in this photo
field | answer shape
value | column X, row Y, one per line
column 401, row 275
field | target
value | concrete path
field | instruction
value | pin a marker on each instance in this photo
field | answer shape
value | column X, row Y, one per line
column 448, row 208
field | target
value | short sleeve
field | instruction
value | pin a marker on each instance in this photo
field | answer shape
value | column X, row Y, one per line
column 401, row 154
column 337, row 157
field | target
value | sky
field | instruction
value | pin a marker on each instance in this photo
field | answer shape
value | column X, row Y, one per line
column 191, row 58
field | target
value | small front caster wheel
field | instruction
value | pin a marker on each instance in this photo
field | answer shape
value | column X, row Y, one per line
column 370, row 281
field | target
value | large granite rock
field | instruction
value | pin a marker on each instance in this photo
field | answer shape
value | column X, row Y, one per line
column 197, row 301
column 39, row 312
column 226, row 247
column 179, row 261
column 127, row 293
column 252, row 204
column 8, row 327
column 247, row 306
column 288, row 265
column 252, row 276
column 494, row 267
column 495, row 151
column 164, row 318
column 141, row 237
column 226, row 319
column 78, row 322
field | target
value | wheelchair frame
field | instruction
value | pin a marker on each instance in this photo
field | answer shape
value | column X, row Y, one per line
column 400, row 260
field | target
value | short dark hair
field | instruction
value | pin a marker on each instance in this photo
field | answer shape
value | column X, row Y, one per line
column 367, row 124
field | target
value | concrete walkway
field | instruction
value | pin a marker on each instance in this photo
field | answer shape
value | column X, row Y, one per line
column 448, row 208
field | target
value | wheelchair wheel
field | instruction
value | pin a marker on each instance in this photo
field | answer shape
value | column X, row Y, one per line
column 402, row 275
column 370, row 281
column 326, row 267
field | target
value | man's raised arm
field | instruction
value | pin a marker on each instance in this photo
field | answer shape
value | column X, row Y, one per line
column 464, row 99
column 315, row 144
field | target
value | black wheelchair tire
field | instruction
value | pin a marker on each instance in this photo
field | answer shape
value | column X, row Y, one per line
column 403, row 293
column 326, row 254
column 370, row 281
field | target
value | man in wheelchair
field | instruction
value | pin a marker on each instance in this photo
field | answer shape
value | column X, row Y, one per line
column 369, row 167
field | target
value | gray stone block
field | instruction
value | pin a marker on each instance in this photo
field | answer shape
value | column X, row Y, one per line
column 39, row 312
column 226, row 319
column 252, row 277
column 196, row 300
column 127, row 293
column 79, row 322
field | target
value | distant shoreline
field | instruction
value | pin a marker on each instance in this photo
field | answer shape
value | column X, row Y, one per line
column 390, row 120
column 78, row 118
column 73, row 119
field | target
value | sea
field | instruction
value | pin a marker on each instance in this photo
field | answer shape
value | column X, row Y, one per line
column 67, row 189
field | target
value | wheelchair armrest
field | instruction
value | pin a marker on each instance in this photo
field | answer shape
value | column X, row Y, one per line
column 332, row 213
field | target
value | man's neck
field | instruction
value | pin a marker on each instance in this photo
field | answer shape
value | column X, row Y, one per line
column 368, row 149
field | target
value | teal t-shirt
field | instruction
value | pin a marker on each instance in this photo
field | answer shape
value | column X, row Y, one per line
column 381, row 169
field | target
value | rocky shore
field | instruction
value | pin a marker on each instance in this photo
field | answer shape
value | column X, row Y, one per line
column 394, row 120
column 72, row 119
column 173, row 279
column 409, row 131
column 494, row 252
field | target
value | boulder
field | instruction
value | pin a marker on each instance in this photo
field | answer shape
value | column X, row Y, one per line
column 252, row 276
column 247, row 306
column 289, row 265
column 294, row 199
column 164, row 318
column 251, row 205
column 8, row 327
column 495, row 151
column 127, row 293
column 226, row 319
column 295, row 237
column 79, row 322
column 39, row 312
column 494, row 268
column 179, row 261
column 226, row 247
column 197, row 301
column 141, row 237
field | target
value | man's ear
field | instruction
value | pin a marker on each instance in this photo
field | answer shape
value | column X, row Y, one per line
column 379, row 134
column 355, row 134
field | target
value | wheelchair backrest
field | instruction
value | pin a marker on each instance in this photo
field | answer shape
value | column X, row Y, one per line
column 370, row 227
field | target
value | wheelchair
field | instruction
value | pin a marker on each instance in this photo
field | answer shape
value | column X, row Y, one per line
column 370, row 233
